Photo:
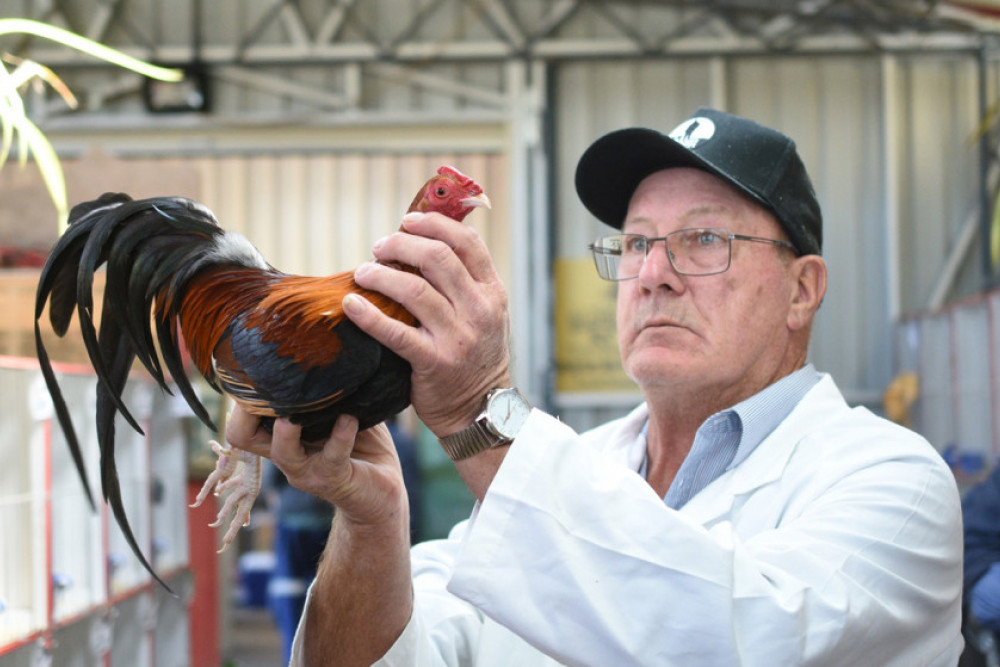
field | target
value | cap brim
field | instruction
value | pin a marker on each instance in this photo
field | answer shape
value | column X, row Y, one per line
column 614, row 165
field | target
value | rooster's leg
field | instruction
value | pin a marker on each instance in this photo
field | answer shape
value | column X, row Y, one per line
column 236, row 474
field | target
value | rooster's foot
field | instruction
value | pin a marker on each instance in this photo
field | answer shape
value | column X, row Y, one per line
column 236, row 474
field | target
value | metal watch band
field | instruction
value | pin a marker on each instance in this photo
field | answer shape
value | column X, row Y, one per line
column 469, row 441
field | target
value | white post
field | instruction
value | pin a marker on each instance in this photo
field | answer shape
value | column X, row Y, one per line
column 531, row 286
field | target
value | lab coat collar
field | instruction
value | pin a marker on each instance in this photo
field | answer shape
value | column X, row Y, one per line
column 767, row 463
column 623, row 441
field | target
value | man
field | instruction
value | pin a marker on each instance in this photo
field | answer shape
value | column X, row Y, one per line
column 742, row 515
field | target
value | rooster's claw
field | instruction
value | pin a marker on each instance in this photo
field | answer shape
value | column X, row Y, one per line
column 236, row 474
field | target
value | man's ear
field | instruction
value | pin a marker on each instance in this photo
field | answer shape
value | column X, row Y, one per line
column 809, row 272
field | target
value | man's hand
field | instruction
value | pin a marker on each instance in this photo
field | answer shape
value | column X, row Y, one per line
column 460, row 349
column 358, row 473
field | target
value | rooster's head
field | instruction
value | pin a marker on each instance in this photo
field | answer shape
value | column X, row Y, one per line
column 450, row 192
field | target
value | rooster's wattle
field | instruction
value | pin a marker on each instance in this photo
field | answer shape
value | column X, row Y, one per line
column 278, row 344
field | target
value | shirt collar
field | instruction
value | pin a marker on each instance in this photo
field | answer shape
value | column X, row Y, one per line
column 758, row 415
column 762, row 412
column 728, row 437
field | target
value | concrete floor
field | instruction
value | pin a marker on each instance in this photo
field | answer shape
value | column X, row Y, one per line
column 255, row 640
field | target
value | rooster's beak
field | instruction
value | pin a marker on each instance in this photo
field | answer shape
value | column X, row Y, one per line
column 477, row 201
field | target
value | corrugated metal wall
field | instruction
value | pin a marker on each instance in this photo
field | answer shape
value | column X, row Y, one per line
column 317, row 214
column 955, row 354
column 939, row 169
column 886, row 140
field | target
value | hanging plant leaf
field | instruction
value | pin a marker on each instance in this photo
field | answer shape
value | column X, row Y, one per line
column 14, row 122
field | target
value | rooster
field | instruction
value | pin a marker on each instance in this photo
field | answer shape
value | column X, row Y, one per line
column 278, row 344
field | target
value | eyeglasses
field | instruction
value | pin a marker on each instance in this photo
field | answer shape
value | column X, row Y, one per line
column 692, row 252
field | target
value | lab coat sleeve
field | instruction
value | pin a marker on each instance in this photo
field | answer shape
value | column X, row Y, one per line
column 577, row 555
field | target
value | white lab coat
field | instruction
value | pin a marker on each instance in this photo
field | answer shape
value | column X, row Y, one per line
column 837, row 542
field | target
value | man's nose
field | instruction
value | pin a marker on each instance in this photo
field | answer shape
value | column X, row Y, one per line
column 657, row 269
column 657, row 259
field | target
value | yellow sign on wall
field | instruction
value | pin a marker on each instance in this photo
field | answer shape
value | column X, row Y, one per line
column 586, row 347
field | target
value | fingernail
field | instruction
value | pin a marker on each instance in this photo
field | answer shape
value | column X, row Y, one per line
column 378, row 244
column 354, row 304
column 363, row 268
column 345, row 426
column 413, row 215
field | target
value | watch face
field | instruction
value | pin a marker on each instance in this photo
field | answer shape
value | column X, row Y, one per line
column 507, row 412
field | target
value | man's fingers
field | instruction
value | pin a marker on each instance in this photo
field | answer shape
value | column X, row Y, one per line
column 288, row 450
column 397, row 336
column 436, row 260
column 343, row 435
column 467, row 245
column 243, row 431
column 322, row 471
column 286, row 445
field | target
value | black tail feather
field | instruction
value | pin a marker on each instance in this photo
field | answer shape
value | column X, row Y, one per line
column 150, row 247
column 167, row 335
column 62, row 414
column 113, row 344
column 94, row 254
column 57, row 285
column 126, row 285
column 57, row 282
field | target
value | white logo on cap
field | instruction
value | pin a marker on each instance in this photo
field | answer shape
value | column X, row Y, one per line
column 693, row 132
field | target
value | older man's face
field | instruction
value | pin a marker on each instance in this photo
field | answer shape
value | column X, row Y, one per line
column 719, row 333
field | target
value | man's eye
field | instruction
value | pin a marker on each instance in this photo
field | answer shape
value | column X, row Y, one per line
column 708, row 239
column 635, row 244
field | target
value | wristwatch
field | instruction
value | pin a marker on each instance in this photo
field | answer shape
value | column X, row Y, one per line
column 505, row 412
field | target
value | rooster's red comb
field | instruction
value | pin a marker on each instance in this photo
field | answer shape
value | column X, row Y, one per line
column 466, row 182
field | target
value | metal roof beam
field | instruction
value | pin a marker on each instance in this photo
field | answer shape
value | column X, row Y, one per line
column 283, row 87
column 560, row 13
column 295, row 26
column 101, row 20
column 333, row 21
column 555, row 48
column 714, row 26
column 504, row 23
column 414, row 26
column 258, row 28
column 439, row 84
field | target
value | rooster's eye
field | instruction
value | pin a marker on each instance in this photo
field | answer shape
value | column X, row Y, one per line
column 441, row 192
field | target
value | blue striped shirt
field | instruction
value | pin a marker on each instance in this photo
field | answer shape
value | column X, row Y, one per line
column 727, row 438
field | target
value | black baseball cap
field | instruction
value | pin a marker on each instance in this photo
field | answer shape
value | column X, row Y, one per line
column 758, row 161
